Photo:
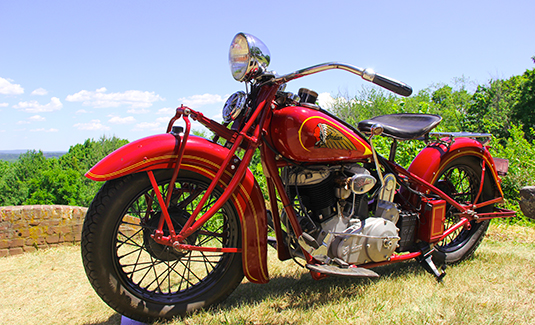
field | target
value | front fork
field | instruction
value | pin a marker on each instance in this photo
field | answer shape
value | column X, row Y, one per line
column 177, row 240
column 240, row 139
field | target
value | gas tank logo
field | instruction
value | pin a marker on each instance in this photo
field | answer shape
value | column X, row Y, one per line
column 329, row 137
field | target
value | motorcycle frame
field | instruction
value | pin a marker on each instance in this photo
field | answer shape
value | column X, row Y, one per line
column 248, row 139
column 274, row 182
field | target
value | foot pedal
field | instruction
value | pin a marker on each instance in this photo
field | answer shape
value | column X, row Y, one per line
column 338, row 271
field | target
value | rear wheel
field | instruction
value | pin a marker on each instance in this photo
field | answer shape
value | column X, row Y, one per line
column 142, row 279
column 461, row 179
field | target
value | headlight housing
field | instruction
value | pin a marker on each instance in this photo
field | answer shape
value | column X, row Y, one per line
column 248, row 57
column 234, row 106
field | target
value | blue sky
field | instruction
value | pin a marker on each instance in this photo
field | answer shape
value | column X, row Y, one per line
column 73, row 70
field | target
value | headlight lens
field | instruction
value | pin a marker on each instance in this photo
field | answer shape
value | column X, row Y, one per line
column 248, row 57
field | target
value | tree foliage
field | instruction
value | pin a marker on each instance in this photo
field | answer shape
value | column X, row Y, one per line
column 34, row 179
column 504, row 108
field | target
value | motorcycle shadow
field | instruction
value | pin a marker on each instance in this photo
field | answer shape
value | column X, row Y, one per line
column 295, row 289
column 292, row 287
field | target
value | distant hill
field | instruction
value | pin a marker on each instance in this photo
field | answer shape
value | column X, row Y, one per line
column 13, row 155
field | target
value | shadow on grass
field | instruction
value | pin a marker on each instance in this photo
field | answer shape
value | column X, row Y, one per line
column 114, row 319
column 300, row 291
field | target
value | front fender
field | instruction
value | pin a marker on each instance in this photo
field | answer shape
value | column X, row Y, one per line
column 204, row 157
column 429, row 162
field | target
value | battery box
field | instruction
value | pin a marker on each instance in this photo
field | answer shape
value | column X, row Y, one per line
column 432, row 219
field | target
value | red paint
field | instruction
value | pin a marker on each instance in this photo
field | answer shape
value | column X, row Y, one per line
column 433, row 159
column 432, row 220
column 308, row 135
column 204, row 157
column 430, row 162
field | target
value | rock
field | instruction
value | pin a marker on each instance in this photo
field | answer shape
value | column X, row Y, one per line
column 527, row 201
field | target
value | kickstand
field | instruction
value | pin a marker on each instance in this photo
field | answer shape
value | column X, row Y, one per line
column 429, row 265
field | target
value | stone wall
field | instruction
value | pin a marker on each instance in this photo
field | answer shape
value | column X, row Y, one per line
column 31, row 227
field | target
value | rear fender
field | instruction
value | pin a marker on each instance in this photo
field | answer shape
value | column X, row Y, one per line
column 433, row 159
column 204, row 157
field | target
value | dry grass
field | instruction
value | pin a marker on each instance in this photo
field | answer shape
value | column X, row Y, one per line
column 494, row 287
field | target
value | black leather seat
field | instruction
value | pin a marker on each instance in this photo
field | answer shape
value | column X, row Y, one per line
column 404, row 126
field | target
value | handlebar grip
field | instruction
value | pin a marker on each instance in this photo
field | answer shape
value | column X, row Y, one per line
column 393, row 85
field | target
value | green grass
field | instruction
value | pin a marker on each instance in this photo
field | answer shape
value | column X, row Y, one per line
column 496, row 286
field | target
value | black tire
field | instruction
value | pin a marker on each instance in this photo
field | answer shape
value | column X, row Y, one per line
column 144, row 280
column 461, row 179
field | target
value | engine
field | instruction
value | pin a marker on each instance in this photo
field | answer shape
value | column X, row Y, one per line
column 333, row 205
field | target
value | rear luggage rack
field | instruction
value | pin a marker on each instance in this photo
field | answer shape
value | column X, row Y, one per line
column 483, row 138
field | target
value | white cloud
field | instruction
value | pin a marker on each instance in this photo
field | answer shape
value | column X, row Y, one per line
column 36, row 118
column 138, row 111
column 163, row 119
column 40, row 92
column 122, row 120
column 34, row 106
column 4, row 104
column 100, row 99
column 325, row 100
column 7, row 88
column 81, row 111
column 152, row 126
column 218, row 117
column 167, row 111
column 44, row 130
column 94, row 125
column 196, row 101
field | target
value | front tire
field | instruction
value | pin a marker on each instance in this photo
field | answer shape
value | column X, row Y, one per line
column 460, row 179
column 142, row 279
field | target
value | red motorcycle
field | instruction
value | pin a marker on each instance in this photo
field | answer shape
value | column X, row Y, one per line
column 181, row 219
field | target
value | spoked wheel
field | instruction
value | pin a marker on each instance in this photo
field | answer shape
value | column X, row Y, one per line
column 145, row 280
column 461, row 179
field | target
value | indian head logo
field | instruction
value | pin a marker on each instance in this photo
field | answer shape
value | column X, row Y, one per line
column 329, row 137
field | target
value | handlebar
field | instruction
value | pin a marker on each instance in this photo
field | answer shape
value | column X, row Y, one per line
column 393, row 85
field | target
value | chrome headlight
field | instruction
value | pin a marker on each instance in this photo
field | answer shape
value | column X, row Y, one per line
column 247, row 57
column 234, row 106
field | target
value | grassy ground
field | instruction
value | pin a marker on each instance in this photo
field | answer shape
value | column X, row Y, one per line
column 494, row 287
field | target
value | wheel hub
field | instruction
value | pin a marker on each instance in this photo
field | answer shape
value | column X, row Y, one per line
column 179, row 217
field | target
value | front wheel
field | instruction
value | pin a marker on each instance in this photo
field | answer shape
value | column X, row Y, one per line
column 461, row 180
column 142, row 279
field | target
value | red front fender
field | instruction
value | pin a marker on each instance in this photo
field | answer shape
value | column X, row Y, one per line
column 204, row 157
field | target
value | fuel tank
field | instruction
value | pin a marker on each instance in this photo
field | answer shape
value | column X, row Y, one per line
column 307, row 134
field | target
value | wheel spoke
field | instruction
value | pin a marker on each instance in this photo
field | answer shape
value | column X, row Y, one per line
column 160, row 272
column 460, row 182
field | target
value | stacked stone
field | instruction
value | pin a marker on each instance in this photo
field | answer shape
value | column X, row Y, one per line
column 31, row 227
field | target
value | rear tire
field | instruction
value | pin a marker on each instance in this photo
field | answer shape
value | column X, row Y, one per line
column 460, row 179
column 142, row 279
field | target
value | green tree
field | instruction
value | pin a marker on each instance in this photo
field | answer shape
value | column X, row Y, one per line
column 34, row 179
column 523, row 110
column 452, row 105
column 81, row 157
column 56, row 186
column 491, row 108
column 14, row 185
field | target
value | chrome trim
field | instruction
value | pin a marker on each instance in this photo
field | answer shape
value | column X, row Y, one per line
column 368, row 74
column 234, row 106
column 319, row 68
column 460, row 134
column 246, row 66
column 483, row 138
